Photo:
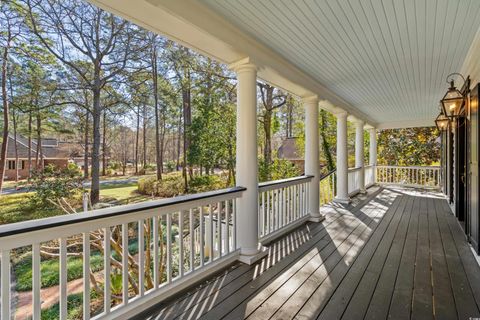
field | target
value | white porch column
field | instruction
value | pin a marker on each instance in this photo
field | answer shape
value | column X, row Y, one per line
column 373, row 147
column 312, row 158
column 360, row 154
column 342, row 159
column 246, row 161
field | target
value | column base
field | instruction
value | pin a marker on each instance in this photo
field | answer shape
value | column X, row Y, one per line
column 252, row 258
column 317, row 218
column 342, row 200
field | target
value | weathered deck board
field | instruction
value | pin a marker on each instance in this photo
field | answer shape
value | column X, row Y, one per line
column 395, row 253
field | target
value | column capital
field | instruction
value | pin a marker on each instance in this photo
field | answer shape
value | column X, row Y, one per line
column 359, row 122
column 243, row 65
column 341, row 114
column 310, row 100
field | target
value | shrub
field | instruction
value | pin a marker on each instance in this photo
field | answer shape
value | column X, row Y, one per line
column 279, row 169
column 54, row 183
column 206, row 183
column 171, row 185
column 170, row 166
column 147, row 185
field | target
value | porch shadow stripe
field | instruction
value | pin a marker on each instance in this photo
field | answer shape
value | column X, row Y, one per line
column 356, row 284
column 240, row 296
column 278, row 298
column 319, row 298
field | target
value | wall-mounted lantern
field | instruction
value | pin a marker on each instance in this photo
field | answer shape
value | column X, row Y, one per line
column 453, row 100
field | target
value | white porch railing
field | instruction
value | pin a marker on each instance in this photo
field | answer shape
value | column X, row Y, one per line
column 283, row 204
column 369, row 175
column 162, row 265
column 354, row 180
column 415, row 176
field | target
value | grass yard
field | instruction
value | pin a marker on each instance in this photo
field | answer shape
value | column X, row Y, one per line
column 121, row 194
column 16, row 208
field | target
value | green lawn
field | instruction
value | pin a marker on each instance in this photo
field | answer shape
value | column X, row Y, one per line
column 16, row 208
column 121, row 194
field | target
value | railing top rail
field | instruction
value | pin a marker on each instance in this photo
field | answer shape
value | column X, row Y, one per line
column 283, row 182
column 409, row 167
column 64, row 220
column 328, row 174
column 354, row 169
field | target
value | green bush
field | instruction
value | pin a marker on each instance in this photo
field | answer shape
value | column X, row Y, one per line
column 54, row 183
column 279, row 169
column 206, row 183
column 172, row 184
column 147, row 185
column 170, row 165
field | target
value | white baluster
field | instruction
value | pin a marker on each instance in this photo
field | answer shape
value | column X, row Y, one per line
column 125, row 263
column 169, row 248
column 36, row 281
column 86, row 275
column 156, row 269
column 5, row 284
column 202, row 238
column 192, row 241
column 63, row 278
column 141, row 258
column 107, row 267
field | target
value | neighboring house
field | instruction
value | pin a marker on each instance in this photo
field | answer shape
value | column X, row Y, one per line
column 54, row 152
column 288, row 150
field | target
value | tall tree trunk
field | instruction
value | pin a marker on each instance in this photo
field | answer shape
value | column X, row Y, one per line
column 187, row 122
column 267, row 125
column 104, row 144
column 39, row 154
column 289, row 129
column 87, row 149
column 158, row 152
column 325, row 144
column 30, row 120
column 14, row 119
column 179, row 143
column 267, row 128
column 3, row 151
column 144, row 140
column 97, row 115
column 137, row 139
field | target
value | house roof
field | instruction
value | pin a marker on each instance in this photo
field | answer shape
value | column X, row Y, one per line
column 51, row 148
column 288, row 150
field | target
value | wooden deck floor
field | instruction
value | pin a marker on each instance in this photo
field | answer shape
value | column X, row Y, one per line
column 394, row 253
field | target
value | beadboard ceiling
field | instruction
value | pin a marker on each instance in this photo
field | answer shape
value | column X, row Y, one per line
column 387, row 58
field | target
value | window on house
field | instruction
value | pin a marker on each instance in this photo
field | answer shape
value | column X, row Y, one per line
column 24, row 164
column 11, row 164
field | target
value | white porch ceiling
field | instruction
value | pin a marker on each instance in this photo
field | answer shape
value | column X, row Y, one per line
column 387, row 58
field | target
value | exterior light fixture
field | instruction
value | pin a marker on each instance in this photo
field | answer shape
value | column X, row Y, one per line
column 453, row 100
column 442, row 122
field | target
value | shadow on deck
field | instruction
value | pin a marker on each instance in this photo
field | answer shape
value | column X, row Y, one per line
column 394, row 252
